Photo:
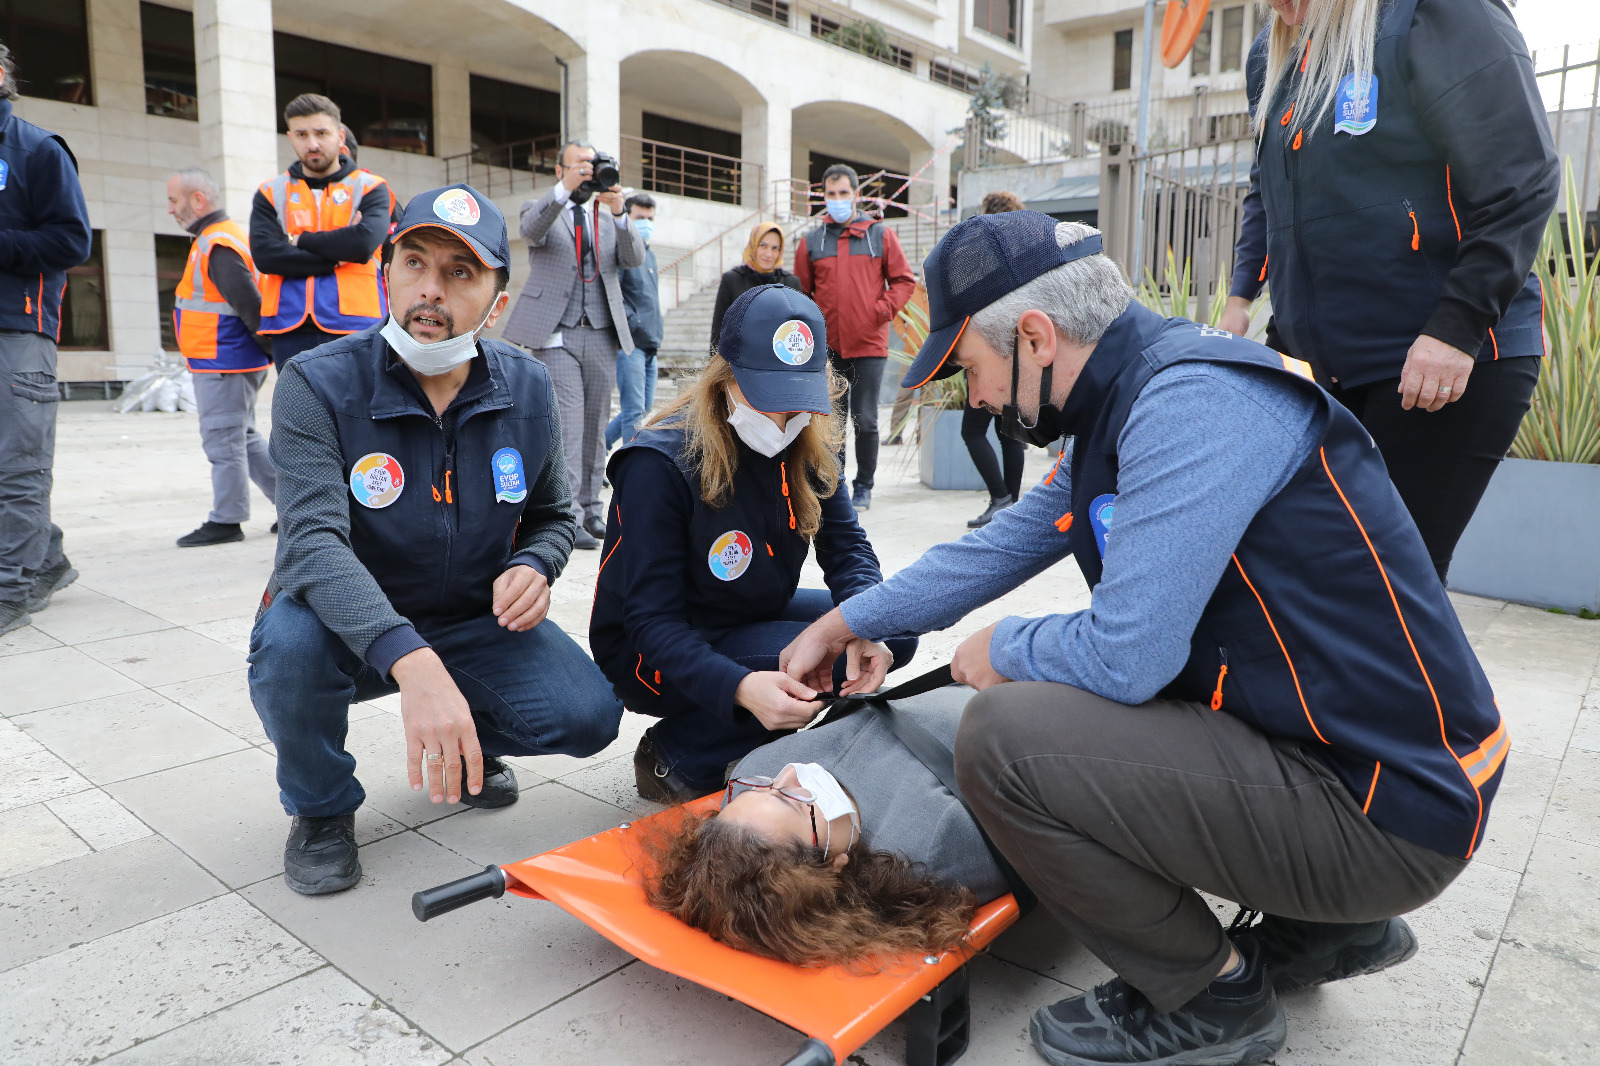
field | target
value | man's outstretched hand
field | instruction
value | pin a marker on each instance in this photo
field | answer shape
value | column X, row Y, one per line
column 809, row 657
column 971, row 665
column 521, row 598
column 437, row 722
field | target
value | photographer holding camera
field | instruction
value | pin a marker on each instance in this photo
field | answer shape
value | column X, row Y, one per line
column 571, row 314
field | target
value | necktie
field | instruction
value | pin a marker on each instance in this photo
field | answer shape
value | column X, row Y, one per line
column 585, row 247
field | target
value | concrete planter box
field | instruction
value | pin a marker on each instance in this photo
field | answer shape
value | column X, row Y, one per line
column 1535, row 537
column 944, row 460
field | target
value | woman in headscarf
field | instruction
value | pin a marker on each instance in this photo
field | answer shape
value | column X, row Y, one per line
column 763, row 265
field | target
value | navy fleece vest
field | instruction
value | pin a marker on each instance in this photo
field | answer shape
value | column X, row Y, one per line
column 744, row 557
column 1361, row 230
column 1330, row 625
column 437, row 546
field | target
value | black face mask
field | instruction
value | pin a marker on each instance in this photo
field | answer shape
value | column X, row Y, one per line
column 1048, row 427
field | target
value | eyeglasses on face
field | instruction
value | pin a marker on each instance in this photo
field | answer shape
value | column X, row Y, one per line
column 766, row 784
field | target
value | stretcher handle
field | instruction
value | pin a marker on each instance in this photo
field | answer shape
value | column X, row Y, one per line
column 812, row 1053
column 432, row 902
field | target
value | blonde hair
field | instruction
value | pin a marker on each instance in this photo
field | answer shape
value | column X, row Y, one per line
column 811, row 468
column 1337, row 38
column 760, row 230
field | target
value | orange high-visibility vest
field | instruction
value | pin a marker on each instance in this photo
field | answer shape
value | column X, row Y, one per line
column 346, row 301
column 211, row 335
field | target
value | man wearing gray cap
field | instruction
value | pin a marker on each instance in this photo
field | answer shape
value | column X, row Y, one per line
column 424, row 511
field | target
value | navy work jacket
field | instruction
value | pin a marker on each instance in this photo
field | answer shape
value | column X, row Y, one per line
column 1329, row 626
column 678, row 574
column 44, row 224
column 1361, row 230
column 434, row 515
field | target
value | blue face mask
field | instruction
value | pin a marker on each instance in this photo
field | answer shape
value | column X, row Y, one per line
column 646, row 228
column 840, row 210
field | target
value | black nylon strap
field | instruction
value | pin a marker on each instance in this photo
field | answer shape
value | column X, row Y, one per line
column 931, row 752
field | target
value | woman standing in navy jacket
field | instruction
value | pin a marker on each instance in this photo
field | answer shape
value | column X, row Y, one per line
column 716, row 505
column 1403, row 179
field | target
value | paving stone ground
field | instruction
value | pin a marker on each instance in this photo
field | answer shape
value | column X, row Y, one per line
column 143, row 918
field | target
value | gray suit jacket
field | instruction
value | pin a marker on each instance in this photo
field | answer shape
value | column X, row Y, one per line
column 552, row 264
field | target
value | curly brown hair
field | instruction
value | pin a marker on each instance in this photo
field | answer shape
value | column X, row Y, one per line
column 785, row 902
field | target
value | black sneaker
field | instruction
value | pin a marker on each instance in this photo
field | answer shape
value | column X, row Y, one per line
column 14, row 615
column 48, row 582
column 272, row 528
column 658, row 782
column 583, row 542
column 1305, row 954
column 996, row 505
column 320, row 856
column 211, row 533
column 1231, row 1022
column 861, row 499
column 499, row 786
column 595, row 527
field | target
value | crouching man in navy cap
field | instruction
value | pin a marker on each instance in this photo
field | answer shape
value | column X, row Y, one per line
column 1268, row 698
column 424, row 511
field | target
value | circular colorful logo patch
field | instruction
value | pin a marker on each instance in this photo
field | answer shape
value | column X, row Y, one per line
column 376, row 480
column 730, row 555
column 340, row 195
column 793, row 343
column 457, row 207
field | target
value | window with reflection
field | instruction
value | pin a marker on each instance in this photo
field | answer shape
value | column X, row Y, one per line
column 172, row 254
column 49, row 41
column 83, row 302
column 388, row 102
column 169, row 72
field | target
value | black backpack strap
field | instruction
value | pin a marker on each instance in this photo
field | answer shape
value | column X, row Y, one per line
column 931, row 752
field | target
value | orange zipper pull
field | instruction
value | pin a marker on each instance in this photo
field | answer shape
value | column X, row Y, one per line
column 1296, row 144
column 1064, row 523
column 447, row 497
column 1216, row 697
column 436, row 496
column 27, row 305
column 783, row 473
column 1263, row 276
column 1284, row 121
column 1416, row 234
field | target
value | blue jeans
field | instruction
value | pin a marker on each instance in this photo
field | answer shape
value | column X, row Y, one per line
column 531, row 693
column 699, row 742
column 636, row 386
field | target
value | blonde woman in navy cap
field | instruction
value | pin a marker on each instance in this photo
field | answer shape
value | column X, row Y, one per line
column 716, row 505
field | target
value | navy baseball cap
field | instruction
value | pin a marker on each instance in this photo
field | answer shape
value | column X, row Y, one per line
column 776, row 342
column 468, row 214
column 977, row 262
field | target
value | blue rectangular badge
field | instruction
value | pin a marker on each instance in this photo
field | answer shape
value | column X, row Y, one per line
column 509, row 484
column 1355, row 108
column 5, row 172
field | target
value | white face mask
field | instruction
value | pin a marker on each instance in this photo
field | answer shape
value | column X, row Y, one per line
column 831, row 800
column 437, row 358
column 761, row 432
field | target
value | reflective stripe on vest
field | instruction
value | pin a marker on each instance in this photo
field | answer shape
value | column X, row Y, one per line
column 211, row 336
column 346, row 301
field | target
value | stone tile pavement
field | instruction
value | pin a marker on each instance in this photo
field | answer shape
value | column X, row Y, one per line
column 143, row 918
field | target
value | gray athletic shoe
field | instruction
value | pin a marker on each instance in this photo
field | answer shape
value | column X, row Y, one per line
column 48, row 582
column 13, row 615
column 1306, row 954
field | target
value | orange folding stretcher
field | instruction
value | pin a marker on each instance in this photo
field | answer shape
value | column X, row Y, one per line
column 594, row 880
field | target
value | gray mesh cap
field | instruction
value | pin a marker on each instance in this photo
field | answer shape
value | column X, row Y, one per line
column 977, row 262
column 776, row 342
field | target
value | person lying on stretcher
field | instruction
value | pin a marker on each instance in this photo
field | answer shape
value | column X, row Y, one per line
column 834, row 845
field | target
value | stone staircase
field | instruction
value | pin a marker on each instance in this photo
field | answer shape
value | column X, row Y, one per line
column 686, row 339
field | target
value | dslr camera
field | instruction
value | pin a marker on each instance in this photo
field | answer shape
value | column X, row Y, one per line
column 605, row 173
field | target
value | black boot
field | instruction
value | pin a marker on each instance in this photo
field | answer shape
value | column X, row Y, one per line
column 1231, row 1022
column 499, row 786
column 320, row 856
column 861, row 499
column 1305, row 954
column 996, row 505
column 658, row 782
column 211, row 533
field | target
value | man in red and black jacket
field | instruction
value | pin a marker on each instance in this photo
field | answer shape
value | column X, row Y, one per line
column 853, row 267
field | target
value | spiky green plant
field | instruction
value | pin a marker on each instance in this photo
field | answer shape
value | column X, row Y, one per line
column 1563, row 424
column 1180, row 299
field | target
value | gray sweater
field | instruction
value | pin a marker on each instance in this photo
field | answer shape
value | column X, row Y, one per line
column 904, row 808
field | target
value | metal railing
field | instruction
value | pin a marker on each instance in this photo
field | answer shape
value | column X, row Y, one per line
column 1193, row 199
column 656, row 166
column 1569, row 81
column 503, row 169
